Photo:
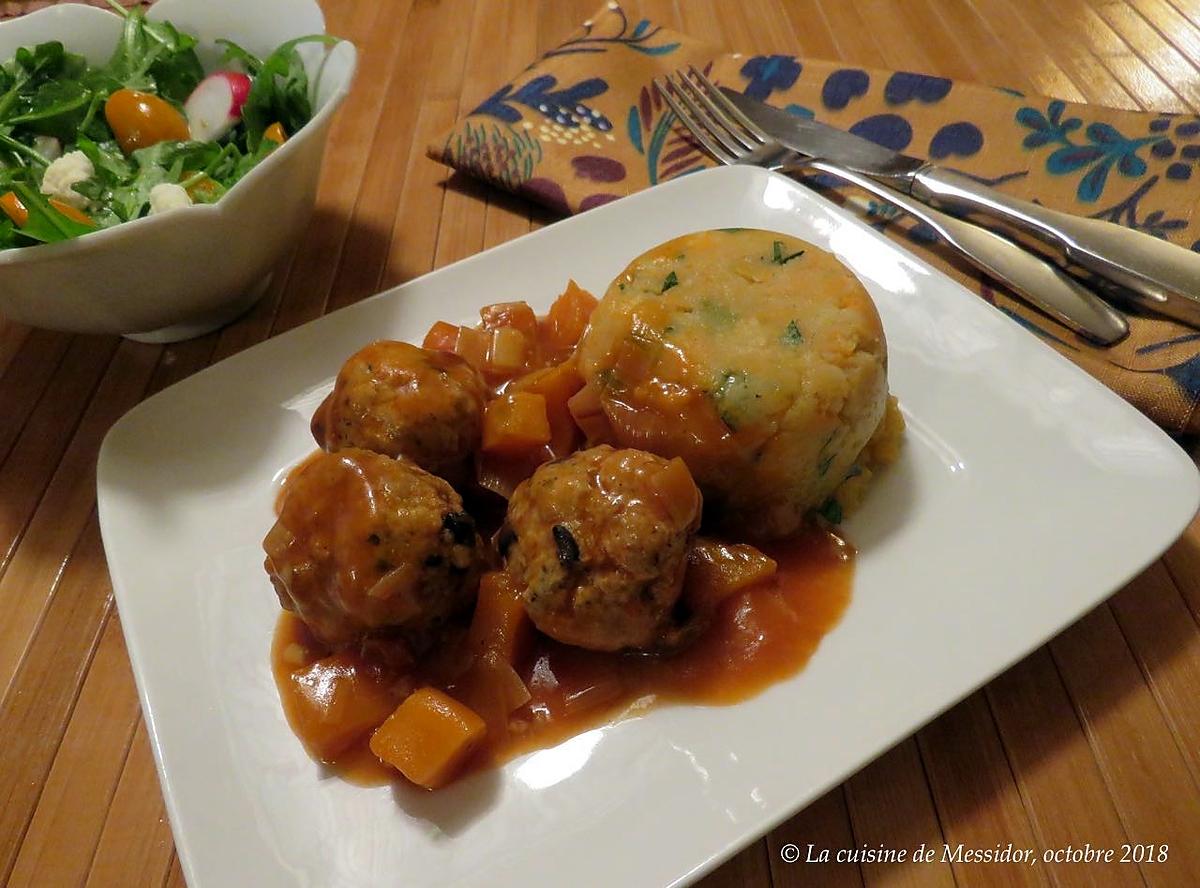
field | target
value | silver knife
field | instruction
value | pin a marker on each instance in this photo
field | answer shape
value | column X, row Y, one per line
column 1151, row 273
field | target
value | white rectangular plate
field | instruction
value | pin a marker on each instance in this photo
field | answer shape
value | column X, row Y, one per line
column 1026, row 494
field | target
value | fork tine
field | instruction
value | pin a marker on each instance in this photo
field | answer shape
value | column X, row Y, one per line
column 719, row 98
column 711, row 127
column 715, row 110
column 698, row 130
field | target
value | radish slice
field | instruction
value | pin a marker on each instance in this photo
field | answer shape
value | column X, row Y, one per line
column 215, row 106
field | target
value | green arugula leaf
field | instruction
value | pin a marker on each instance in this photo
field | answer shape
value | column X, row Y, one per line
column 55, row 108
column 155, row 57
column 279, row 93
column 234, row 53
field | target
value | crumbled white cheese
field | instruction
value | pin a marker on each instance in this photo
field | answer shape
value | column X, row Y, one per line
column 168, row 196
column 47, row 146
column 71, row 168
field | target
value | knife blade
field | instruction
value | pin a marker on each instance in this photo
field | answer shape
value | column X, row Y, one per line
column 1141, row 270
column 815, row 139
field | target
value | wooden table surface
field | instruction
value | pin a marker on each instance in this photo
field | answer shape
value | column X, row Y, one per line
column 1094, row 739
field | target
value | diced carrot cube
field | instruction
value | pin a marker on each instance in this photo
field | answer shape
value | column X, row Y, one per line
column 718, row 570
column 568, row 318
column 335, row 704
column 14, row 208
column 501, row 623
column 429, row 738
column 515, row 423
column 441, row 337
column 557, row 384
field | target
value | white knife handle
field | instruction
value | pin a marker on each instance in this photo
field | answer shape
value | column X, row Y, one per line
column 1040, row 282
column 1157, row 275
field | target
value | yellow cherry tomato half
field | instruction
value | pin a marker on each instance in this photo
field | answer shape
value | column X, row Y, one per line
column 140, row 120
column 75, row 215
column 14, row 209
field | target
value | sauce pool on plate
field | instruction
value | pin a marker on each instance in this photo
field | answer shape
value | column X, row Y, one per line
column 757, row 638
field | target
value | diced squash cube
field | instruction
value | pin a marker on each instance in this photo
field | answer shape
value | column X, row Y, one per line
column 509, row 351
column 515, row 315
column 718, row 570
column 334, row 704
column 557, row 385
column 493, row 690
column 515, row 423
column 472, row 346
column 587, row 410
column 429, row 738
column 501, row 624
column 441, row 337
column 568, row 318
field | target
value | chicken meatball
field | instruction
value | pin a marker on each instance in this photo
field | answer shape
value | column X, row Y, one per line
column 599, row 541
column 367, row 545
column 400, row 400
column 757, row 358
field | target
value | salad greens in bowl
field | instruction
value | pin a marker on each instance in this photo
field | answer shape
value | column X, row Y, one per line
column 154, row 167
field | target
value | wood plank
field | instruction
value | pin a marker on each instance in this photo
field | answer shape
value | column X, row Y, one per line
column 749, row 868
column 1141, row 81
column 1096, row 82
column 1006, row 22
column 36, row 712
column 891, row 807
column 321, row 251
column 135, row 847
column 977, row 800
column 413, row 247
column 44, row 433
column 174, row 877
column 49, row 536
column 34, row 359
column 1177, row 71
column 855, row 41
column 57, row 848
column 12, row 337
column 907, row 47
column 1060, row 783
column 1182, row 561
column 1174, row 27
column 825, row 826
column 1165, row 640
column 1143, row 769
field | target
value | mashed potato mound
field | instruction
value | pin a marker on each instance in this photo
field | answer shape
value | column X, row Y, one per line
column 756, row 357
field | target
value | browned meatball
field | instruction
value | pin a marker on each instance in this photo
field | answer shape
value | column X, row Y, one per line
column 599, row 541
column 400, row 400
column 366, row 544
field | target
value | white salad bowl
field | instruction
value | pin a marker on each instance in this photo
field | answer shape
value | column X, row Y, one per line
column 180, row 274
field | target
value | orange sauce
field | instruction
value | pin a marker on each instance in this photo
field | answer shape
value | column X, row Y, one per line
column 759, row 637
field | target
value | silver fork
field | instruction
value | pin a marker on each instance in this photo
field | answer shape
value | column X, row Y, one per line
column 732, row 138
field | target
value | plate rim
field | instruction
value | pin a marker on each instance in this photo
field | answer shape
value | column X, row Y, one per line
column 737, row 839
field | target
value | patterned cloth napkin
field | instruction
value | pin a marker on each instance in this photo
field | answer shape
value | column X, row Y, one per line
column 582, row 126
